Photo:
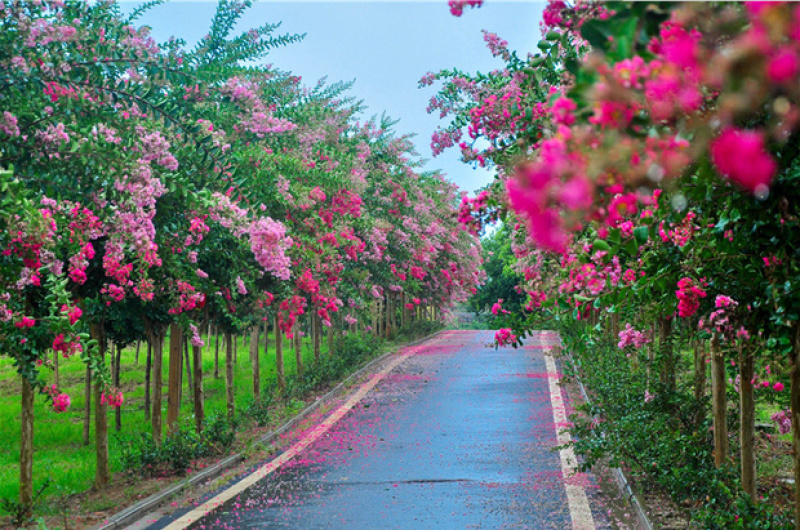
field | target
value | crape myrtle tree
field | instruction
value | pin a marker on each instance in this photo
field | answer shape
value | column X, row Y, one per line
column 646, row 157
column 152, row 187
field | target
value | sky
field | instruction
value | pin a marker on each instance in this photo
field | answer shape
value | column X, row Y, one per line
column 385, row 47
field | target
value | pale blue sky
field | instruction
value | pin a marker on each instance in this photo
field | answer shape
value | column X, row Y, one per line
column 385, row 47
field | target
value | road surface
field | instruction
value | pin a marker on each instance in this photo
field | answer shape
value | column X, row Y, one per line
column 450, row 433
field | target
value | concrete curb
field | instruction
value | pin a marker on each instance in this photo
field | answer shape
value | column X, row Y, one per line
column 619, row 476
column 136, row 511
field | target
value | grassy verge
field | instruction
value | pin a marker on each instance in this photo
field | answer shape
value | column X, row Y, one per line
column 69, row 466
column 60, row 456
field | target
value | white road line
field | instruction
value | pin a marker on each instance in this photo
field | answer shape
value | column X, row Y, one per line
column 578, row 502
column 224, row 496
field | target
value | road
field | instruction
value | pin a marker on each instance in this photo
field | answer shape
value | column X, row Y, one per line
column 451, row 434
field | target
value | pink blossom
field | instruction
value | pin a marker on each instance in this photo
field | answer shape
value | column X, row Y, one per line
column 497, row 307
column 240, row 287
column 562, row 110
column 741, row 156
column 631, row 337
column 778, row 387
column 457, row 6
column 784, row 420
column 688, row 297
column 114, row 398
column 74, row 313
column 504, row 337
column 26, row 322
column 61, row 403
column 783, row 66
column 196, row 340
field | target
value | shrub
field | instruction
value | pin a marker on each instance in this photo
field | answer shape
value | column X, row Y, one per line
column 179, row 449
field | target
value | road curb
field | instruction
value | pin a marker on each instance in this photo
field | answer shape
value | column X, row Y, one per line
column 136, row 511
column 619, row 476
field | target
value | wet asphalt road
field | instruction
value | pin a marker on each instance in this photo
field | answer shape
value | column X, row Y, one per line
column 460, row 435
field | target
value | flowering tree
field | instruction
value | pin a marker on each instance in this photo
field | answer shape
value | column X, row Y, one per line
column 646, row 161
column 168, row 187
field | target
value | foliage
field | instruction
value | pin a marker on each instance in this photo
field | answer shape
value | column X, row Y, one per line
column 646, row 165
column 180, row 448
column 144, row 185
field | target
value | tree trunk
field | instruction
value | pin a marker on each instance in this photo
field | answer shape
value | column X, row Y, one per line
column 718, row 402
column 279, row 357
column 388, row 330
column 403, row 310
column 87, row 407
column 667, row 355
column 174, row 376
column 255, row 331
column 189, row 372
column 216, row 354
column 56, row 378
column 26, row 450
column 266, row 338
column 229, row 390
column 699, row 384
column 331, row 336
column 699, row 370
column 158, row 356
column 298, row 348
column 117, row 410
column 795, row 404
column 199, row 406
column 147, row 369
column 379, row 317
column 136, row 355
column 317, row 325
column 102, row 473
column 747, row 427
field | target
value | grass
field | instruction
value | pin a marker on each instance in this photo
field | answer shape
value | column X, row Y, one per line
column 771, row 463
column 59, row 454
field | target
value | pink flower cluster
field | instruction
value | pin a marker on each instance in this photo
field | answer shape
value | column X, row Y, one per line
column 67, row 348
column 472, row 210
column 535, row 300
column 61, row 403
column 25, row 322
column 290, row 309
column 457, row 6
column 73, row 313
column 114, row 398
column 196, row 339
column 784, row 420
column 269, row 243
column 742, row 156
column 497, row 308
column 689, row 295
column 631, row 337
column 504, row 337
column 720, row 318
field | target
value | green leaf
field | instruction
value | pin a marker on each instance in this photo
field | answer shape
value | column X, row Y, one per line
column 596, row 33
column 632, row 247
column 640, row 233
column 600, row 245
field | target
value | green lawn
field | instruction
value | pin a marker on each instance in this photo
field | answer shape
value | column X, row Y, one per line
column 59, row 453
